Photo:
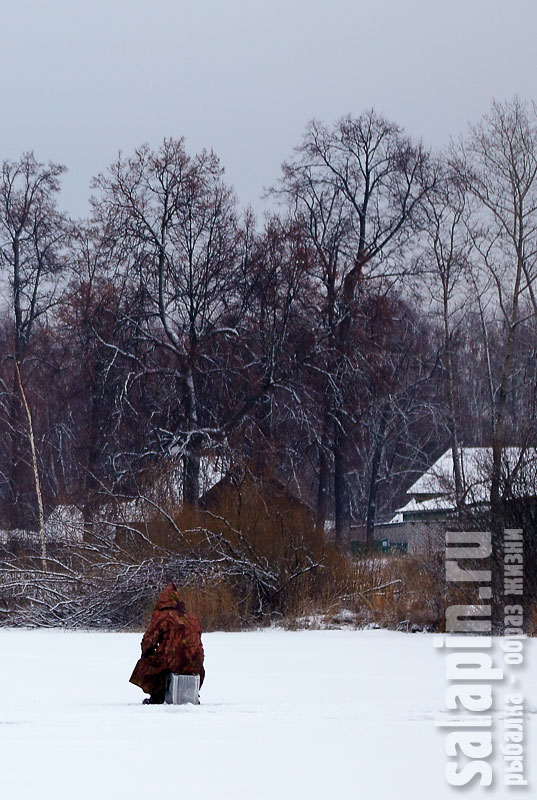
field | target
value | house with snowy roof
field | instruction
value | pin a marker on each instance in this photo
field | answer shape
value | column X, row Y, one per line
column 432, row 505
column 432, row 496
column 163, row 491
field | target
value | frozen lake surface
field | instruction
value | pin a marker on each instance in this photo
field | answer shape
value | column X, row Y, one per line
column 309, row 714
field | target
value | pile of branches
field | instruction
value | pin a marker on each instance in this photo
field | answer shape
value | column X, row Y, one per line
column 104, row 581
column 73, row 589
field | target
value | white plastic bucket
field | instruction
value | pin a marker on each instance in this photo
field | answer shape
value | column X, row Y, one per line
column 181, row 689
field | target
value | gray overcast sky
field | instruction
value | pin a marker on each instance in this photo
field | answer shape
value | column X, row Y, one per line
column 81, row 80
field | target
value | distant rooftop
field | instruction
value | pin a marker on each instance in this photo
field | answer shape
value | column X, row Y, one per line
column 434, row 492
column 476, row 463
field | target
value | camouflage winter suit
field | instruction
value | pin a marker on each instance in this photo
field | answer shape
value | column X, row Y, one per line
column 172, row 643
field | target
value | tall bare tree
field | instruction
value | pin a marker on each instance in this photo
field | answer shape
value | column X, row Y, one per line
column 32, row 238
column 174, row 229
column 444, row 272
column 356, row 189
column 498, row 165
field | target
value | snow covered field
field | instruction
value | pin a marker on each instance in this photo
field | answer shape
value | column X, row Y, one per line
column 311, row 714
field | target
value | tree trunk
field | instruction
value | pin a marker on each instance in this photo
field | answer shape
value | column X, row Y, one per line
column 323, row 487
column 191, row 472
column 191, row 456
column 496, row 504
column 450, row 387
column 373, row 483
column 341, row 436
column 23, row 513
column 341, row 488
column 22, row 508
column 37, row 481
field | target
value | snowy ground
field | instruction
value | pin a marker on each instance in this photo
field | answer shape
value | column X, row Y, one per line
column 312, row 714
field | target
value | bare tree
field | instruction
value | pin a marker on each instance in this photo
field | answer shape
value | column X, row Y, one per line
column 445, row 264
column 32, row 238
column 356, row 189
column 498, row 165
column 175, row 232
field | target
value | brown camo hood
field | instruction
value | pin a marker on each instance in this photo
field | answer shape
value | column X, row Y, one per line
column 169, row 598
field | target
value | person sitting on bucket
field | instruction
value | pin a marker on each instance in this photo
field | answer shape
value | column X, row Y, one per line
column 172, row 643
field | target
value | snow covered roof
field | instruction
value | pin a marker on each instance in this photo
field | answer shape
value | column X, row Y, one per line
column 476, row 463
column 432, row 504
column 65, row 523
column 434, row 491
column 415, row 506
